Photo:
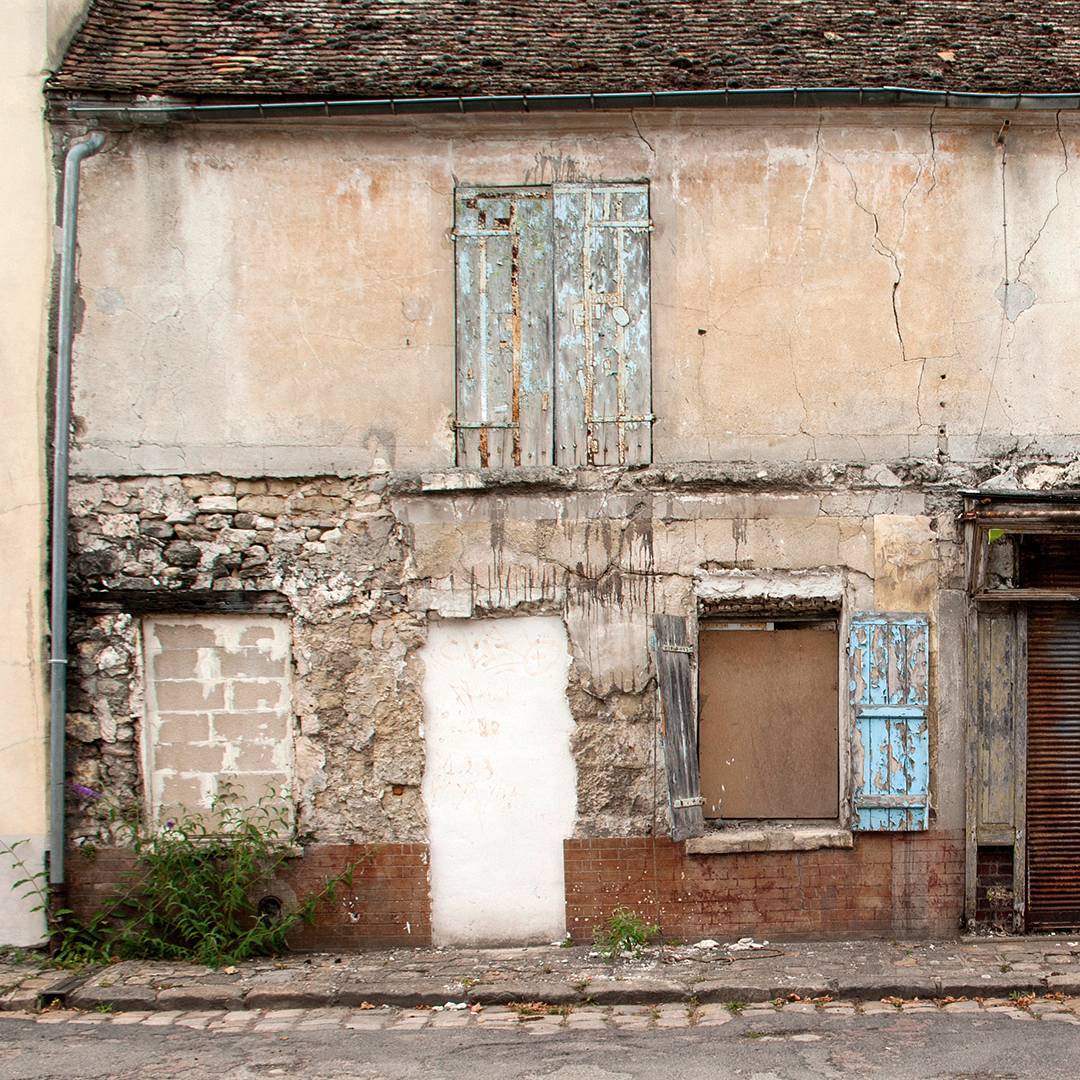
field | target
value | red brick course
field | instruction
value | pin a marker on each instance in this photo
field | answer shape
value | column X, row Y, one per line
column 908, row 885
column 902, row 885
column 388, row 902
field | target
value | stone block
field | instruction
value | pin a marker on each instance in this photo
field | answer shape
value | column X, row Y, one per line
column 189, row 695
column 209, row 503
column 183, row 635
column 201, row 997
column 119, row 998
column 260, row 726
column 509, row 992
column 182, row 728
column 254, row 634
column 257, row 694
column 189, row 757
column 252, row 757
column 252, row 663
column 251, row 788
column 733, row 989
column 291, row 996
column 265, row 505
column 638, row 992
column 177, row 664
column 182, row 553
column 856, row 987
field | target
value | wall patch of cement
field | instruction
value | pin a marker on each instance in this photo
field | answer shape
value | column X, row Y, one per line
column 499, row 785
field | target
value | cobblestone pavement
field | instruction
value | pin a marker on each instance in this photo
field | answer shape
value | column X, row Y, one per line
column 545, row 1020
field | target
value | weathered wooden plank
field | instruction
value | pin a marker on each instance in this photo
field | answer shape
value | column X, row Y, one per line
column 998, row 652
column 572, row 365
column 889, row 663
column 672, row 648
column 504, row 351
column 603, row 328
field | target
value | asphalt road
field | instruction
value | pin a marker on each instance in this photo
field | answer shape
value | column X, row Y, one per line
column 776, row 1046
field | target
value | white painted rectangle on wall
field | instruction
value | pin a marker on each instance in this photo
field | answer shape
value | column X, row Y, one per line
column 499, row 780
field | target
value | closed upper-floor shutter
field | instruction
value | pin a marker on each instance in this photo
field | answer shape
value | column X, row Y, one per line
column 504, row 335
column 602, row 325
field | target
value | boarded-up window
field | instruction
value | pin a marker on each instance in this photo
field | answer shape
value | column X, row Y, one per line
column 769, row 730
column 218, row 711
column 553, row 325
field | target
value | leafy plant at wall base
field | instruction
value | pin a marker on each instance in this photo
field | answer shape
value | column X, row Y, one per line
column 625, row 931
column 192, row 893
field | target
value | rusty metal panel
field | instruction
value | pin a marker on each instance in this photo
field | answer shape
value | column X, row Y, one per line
column 1053, row 764
column 504, row 331
column 673, row 651
column 889, row 665
column 769, row 732
column 603, row 331
column 999, row 651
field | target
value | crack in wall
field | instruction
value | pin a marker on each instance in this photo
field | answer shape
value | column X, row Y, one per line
column 879, row 247
column 1050, row 213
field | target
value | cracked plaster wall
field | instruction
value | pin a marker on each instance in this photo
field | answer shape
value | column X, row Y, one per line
column 852, row 286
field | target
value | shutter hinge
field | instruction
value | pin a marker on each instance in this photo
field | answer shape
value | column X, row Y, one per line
column 684, row 804
column 677, row 648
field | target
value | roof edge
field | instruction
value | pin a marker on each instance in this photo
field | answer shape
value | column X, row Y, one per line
column 154, row 109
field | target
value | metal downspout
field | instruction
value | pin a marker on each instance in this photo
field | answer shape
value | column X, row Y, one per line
column 58, row 565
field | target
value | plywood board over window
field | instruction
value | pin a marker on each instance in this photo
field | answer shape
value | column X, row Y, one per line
column 769, row 734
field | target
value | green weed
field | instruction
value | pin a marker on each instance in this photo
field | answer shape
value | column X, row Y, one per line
column 192, row 893
column 624, row 932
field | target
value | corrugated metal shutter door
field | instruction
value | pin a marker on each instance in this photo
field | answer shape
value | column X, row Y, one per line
column 1053, row 766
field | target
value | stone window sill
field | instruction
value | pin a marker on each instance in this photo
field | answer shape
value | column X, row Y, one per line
column 800, row 838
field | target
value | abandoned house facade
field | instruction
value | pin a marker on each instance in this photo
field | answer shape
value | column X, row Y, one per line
column 558, row 501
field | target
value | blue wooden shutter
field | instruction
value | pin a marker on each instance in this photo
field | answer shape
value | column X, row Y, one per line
column 889, row 656
column 504, row 342
column 603, row 377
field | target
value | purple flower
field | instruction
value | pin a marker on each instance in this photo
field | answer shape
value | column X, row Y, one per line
column 170, row 824
column 84, row 792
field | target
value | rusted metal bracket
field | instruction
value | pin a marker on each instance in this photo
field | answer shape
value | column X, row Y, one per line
column 462, row 234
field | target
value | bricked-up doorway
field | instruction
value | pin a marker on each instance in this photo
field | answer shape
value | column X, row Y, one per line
column 499, row 778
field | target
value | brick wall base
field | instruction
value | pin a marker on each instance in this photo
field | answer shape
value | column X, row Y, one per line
column 900, row 885
column 388, row 903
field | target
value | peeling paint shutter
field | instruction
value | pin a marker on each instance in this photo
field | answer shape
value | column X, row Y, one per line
column 602, row 326
column 889, row 656
column 504, row 347
column 674, row 661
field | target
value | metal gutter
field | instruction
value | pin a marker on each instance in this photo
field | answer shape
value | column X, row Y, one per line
column 58, row 585
column 787, row 97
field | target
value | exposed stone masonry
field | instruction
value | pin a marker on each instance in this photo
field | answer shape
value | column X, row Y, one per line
column 362, row 564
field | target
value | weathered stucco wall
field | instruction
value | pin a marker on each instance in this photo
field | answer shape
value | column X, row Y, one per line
column 30, row 32
column 845, row 286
